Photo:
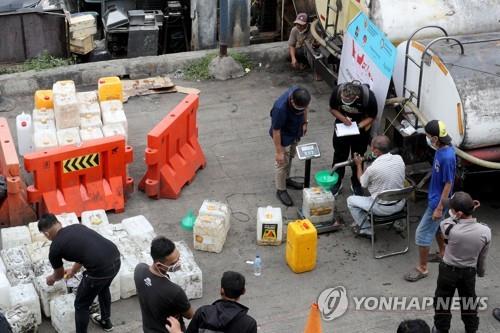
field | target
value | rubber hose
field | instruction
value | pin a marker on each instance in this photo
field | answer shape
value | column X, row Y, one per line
column 321, row 40
column 462, row 154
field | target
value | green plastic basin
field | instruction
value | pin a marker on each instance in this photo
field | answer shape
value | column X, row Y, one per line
column 325, row 179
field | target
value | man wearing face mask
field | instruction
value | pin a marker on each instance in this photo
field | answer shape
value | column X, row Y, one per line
column 387, row 172
column 159, row 297
column 100, row 258
column 351, row 102
column 465, row 255
column 288, row 125
column 440, row 188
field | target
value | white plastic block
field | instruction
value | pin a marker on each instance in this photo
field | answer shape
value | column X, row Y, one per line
column 18, row 265
column 67, row 219
column 317, row 204
column 38, row 251
column 91, row 133
column 4, row 292
column 42, row 267
column 209, row 233
column 62, row 313
column 48, row 293
column 69, row 136
column 127, row 247
column 115, row 289
column 215, row 208
column 189, row 277
column 36, row 235
column 66, row 111
column 87, row 97
column 113, row 113
column 15, row 236
column 43, row 113
column 269, row 226
column 127, row 283
column 89, row 108
column 2, row 266
column 139, row 229
column 25, row 294
column 44, row 124
column 95, row 219
column 90, row 120
column 45, row 140
column 21, row 319
column 114, row 129
column 63, row 88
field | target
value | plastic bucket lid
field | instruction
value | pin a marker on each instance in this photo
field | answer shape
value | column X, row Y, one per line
column 325, row 179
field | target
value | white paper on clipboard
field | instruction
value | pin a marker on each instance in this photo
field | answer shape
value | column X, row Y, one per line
column 344, row 130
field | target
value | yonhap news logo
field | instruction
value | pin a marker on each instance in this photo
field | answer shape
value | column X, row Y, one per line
column 334, row 302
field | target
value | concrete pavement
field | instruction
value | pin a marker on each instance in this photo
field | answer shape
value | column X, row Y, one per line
column 233, row 122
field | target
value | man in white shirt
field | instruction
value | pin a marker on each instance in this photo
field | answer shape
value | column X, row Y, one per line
column 387, row 172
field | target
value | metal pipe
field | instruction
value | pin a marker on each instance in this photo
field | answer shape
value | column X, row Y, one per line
column 224, row 27
column 460, row 153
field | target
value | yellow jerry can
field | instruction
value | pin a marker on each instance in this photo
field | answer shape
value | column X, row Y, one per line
column 301, row 246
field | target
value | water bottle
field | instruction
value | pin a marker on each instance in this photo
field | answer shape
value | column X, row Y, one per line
column 257, row 266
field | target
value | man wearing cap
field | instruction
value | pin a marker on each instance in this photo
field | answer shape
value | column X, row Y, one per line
column 440, row 188
column 465, row 256
column 351, row 102
column 288, row 125
column 296, row 42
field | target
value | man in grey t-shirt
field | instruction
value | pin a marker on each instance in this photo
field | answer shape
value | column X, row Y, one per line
column 467, row 242
column 296, row 42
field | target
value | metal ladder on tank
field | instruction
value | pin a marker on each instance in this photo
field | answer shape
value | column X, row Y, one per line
column 426, row 58
column 336, row 9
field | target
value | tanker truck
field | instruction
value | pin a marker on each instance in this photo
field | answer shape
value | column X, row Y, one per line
column 446, row 68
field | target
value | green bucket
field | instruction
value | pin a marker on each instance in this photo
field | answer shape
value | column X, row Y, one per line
column 325, row 179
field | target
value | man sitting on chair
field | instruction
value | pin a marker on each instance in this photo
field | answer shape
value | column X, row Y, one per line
column 387, row 172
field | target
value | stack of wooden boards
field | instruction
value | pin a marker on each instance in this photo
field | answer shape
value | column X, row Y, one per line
column 82, row 29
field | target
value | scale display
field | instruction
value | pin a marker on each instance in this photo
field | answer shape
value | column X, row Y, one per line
column 308, row 151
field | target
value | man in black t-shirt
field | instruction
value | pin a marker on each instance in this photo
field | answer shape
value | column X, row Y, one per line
column 158, row 296
column 100, row 258
column 351, row 102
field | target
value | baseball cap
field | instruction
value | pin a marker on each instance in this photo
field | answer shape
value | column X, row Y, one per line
column 438, row 128
column 301, row 19
column 461, row 202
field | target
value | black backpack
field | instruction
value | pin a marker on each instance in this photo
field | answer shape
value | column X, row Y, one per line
column 365, row 91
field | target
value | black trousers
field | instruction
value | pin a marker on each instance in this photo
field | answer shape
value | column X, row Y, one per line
column 342, row 145
column 450, row 279
column 89, row 288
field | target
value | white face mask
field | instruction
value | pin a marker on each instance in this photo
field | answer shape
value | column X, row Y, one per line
column 452, row 215
column 429, row 142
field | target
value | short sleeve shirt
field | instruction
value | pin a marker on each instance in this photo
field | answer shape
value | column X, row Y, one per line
column 159, row 298
column 297, row 39
column 284, row 118
column 77, row 243
column 387, row 172
column 356, row 111
column 443, row 171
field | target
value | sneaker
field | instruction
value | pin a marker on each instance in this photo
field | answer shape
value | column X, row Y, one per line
column 336, row 188
column 284, row 198
column 293, row 184
column 106, row 325
column 357, row 190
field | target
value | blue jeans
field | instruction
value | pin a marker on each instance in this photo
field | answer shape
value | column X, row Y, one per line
column 427, row 228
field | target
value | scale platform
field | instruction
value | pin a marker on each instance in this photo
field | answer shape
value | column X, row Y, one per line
column 323, row 227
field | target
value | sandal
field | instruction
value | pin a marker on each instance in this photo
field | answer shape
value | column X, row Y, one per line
column 434, row 257
column 414, row 275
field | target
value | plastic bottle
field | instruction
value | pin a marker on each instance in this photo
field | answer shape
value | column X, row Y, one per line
column 257, row 266
column 24, row 128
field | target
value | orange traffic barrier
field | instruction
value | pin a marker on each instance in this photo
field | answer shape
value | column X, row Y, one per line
column 76, row 179
column 173, row 154
column 313, row 324
column 14, row 208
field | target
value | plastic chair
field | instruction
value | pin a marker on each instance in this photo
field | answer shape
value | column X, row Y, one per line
column 391, row 198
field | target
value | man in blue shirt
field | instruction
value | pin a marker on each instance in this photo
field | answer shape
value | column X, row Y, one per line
column 288, row 125
column 440, row 188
